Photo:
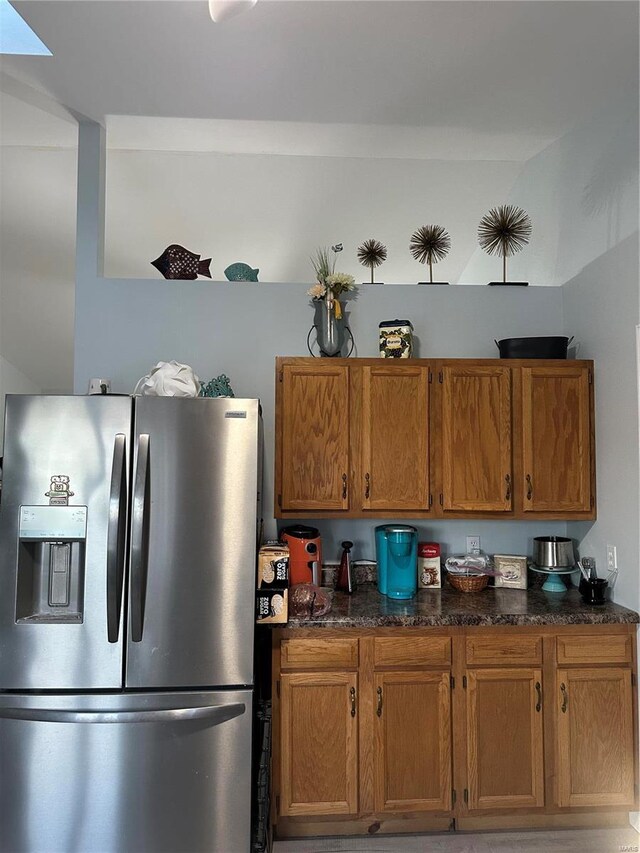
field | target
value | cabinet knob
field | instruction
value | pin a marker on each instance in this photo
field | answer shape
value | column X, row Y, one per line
column 565, row 697
column 507, row 480
column 529, row 487
column 352, row 695
column 539, row 692
column 344, row 486
column 367, row 486
column 379, row 708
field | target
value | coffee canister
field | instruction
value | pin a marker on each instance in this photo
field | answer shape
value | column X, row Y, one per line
column 396, row 339
column 429, row 565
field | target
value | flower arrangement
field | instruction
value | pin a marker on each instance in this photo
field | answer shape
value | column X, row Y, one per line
column 330, row 284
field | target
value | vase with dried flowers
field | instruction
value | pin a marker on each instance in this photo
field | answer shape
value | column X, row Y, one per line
column 325, row 295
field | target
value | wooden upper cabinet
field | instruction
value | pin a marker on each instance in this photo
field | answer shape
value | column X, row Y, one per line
column 314, row 424
column 394, row 438
column 557, row 460
column 476, row 437
column 594, row 746
column 445, row 438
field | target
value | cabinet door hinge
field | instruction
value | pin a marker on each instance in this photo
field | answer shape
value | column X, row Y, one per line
column 452, row 682
column 440, row 377
column 278, row 689
column 591, row 501
column 453, row 796
column 464, row 682
column 466, row 795
column 633, row 680
column 278, row 804
column 280, row 501
column 590, row 377
column 280, row 376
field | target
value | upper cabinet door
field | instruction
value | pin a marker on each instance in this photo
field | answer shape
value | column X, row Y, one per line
column 556, row 439
column 476, row 438
column 314, row 416
column 395, row 438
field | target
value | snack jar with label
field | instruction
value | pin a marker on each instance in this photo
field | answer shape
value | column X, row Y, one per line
column 396, row 339
column 429, row 576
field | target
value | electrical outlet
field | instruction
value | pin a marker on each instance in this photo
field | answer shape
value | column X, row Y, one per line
column 473, row 544
column 612, row 558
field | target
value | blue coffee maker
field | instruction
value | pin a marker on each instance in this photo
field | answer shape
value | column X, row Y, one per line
column 397, row 556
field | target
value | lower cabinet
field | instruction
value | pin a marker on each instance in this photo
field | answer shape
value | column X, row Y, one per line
column 412, row 729
column 595, row 737
column 319, row 744
column 412, row 752
column 504, row 739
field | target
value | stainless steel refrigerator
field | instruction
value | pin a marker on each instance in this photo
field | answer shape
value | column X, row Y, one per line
column 128, row 532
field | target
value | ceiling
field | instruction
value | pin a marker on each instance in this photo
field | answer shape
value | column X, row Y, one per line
column 497, row 67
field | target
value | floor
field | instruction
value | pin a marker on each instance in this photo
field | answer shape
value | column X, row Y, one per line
column 625, row 840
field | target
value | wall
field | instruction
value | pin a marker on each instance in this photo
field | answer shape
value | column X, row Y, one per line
column 12, row 381
column 603, row 304
column 586, row 183
column 272, row 211
column 37, row 243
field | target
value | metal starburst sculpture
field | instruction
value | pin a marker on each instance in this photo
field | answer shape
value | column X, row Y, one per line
column 371, row 254
column 429, row 245
column 504, row 231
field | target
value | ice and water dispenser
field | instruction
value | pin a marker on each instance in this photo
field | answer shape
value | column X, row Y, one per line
column 51, row 563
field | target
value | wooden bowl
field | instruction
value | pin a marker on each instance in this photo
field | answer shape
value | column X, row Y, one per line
column 468, row 583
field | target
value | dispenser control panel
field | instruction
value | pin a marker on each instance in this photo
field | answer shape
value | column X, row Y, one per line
column 53, row 522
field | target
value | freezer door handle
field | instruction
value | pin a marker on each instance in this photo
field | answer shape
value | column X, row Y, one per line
column 213, row 714
column 116, row 537
column 139, row 538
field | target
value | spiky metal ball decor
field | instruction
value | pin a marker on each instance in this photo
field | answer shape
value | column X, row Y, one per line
column 430, row 244
column 371, row 254
column 504, row 231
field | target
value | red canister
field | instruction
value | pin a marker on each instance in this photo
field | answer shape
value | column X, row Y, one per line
column 429, row 565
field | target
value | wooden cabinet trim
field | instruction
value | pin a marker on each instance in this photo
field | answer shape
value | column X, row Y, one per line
column 483, row 651
column 600, row 647
column 417, row 651
column 319, row 653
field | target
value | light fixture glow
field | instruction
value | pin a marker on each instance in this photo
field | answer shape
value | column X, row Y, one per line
column 16, row 36
column 222, row 10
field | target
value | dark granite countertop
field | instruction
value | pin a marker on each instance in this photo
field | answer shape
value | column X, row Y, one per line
column 448, row 607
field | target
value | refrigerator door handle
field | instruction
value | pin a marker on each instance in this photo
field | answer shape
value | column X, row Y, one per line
column 116, row 537
column 139, row 538
column 213, row 714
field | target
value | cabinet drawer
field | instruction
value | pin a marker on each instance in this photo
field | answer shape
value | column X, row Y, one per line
column 319, row 654
column 503, row 650
column 594, row 648
column 418, row 651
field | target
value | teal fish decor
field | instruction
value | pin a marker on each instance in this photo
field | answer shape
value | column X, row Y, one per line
column 218, row 387
column 241, row 272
